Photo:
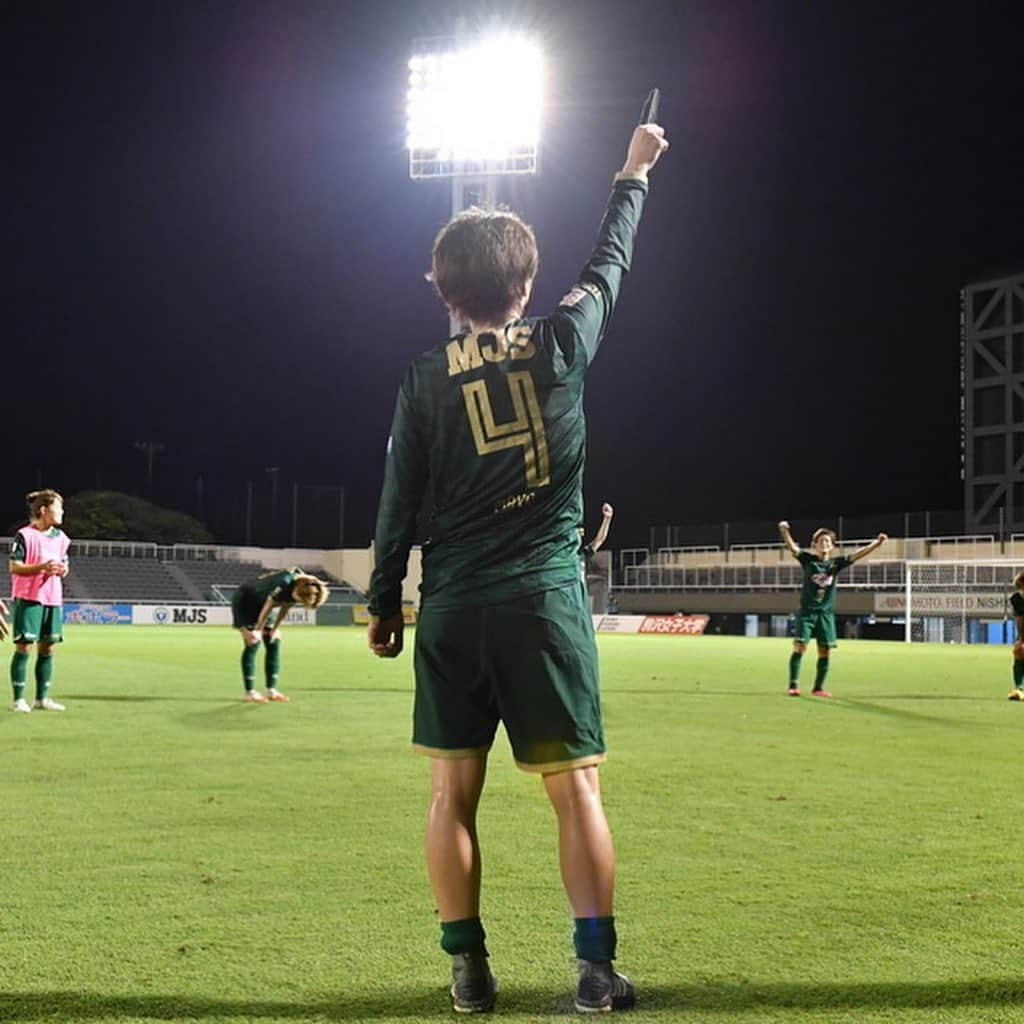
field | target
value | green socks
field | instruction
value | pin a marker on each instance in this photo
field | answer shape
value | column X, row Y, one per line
column 272, row 662
column 819, row 676
column 19, row 670
column 44, row 674
column 594, row 938
column 464, row 936
column 248, row 666
column 794, row 666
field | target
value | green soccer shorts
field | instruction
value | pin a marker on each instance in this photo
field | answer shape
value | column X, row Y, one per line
column 245, row 609
column 530, row 663
column 37, row 623
column 820, row 625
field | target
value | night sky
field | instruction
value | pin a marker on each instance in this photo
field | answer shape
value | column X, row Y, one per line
column 216, row 246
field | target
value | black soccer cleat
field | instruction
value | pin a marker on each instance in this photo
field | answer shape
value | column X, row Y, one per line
column 473, row 986
column 602, row 989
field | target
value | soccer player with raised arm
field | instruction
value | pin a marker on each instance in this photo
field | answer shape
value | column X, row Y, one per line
column 492, row 422
column 252, row 605
column 1017, row 604
column 588, row 550
column 817, row 616
column 38, row 564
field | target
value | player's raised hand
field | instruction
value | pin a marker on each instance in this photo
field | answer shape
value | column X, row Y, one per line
column 882, row 538
column 783, row 524
column 607, row 511
column 645, row 148
column 385, row 635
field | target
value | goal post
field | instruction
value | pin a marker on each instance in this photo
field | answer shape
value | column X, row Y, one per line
column 964, row 601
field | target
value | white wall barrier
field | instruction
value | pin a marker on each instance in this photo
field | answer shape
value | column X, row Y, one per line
column 203, row 615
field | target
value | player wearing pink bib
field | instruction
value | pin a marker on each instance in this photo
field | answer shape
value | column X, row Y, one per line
column 39, row 562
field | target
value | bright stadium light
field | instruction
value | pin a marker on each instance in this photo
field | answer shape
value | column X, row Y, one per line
column 474, row 106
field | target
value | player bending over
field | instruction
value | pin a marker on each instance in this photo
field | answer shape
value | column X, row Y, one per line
column 1017, row 602
column 39, row 563
column 252, row 606
column 492, row 423
column 817, row 616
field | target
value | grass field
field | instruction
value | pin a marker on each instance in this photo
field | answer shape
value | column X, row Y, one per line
column 171, row 854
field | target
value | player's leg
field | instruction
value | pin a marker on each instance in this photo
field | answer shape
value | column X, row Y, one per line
column 244, row 615
column 272, row 666
column 26, row 625
column 1017, row 693
column 825, row 635
column 51, row 633
column 546, row 669
column 454, row 721
column 586, row 855
column 801, row 634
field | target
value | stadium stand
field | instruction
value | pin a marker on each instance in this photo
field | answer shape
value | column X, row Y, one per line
column 122, row 579
column 175, row 581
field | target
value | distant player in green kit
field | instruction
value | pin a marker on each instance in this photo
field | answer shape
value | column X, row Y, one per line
column 491, row 424
column 817, row 616
column 252, row 606
column 1017, row 603
column 39, row 563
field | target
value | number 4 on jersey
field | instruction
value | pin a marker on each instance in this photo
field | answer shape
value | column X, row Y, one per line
column 525, row 431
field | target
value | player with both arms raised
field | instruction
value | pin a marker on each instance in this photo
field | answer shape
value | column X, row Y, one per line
column 491, row 424
column 817, row 615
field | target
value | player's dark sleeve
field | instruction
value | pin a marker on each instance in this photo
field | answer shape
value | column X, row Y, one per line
column 405, row 481
column 581, row 318
column 843, row 562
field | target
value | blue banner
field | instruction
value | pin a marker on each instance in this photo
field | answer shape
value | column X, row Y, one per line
column 80, row 614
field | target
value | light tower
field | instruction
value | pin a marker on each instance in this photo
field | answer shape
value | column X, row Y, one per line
column 474, row 112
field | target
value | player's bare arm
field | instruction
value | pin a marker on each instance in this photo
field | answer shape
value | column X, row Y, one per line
column 384, row 636
column 787, row 538
column 868, row 548
column 602, row 532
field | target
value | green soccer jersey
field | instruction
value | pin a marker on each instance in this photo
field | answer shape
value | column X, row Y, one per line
column 818, row 593
column 276, row 585
column 491, row 427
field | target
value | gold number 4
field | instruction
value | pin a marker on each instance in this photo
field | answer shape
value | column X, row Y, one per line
column 525, row 431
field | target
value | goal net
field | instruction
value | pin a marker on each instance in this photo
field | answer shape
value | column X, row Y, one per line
column 960, row 602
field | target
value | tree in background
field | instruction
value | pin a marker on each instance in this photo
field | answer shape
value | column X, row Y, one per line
column 110, row 515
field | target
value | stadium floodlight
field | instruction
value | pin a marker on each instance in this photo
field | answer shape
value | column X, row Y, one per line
column 474, row 106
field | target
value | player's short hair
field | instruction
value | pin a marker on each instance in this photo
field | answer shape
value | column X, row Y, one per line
column 823, row 531
column 482, row 262
column 310, row 591
column 38, row 500
column 1018, row 580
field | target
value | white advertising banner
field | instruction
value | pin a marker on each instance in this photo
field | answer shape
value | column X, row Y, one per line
column 203, row 615
column 618, row 623
column 925, row 603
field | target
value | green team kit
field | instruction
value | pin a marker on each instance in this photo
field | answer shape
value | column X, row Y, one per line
column 816, row 617
column 491, row 426
column 248, row 600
